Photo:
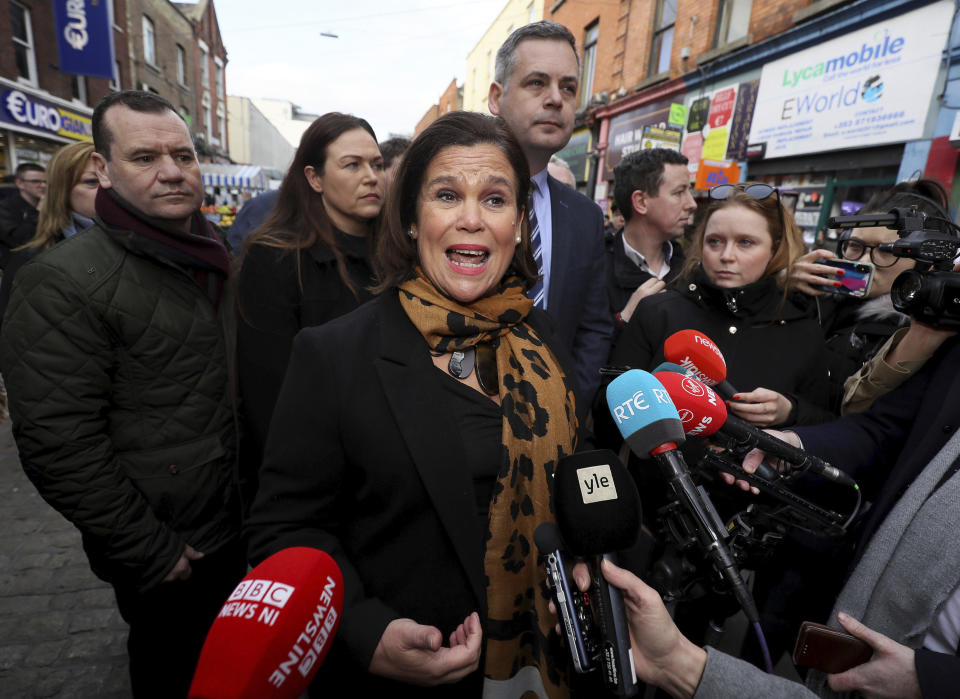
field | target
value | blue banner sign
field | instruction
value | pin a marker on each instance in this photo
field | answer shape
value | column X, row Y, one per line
column 19, row 109
column 85, row 37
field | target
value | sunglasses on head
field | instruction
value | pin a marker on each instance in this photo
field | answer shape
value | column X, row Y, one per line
column 757, row 191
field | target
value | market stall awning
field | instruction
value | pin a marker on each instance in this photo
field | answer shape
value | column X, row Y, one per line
column 239, row 176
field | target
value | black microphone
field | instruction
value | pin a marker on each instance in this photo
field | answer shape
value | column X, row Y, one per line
column 747, row 435
column 598, row 512
column 650, row 424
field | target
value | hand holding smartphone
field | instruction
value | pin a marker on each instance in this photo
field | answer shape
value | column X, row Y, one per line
column 828, row 649
column 855, row 281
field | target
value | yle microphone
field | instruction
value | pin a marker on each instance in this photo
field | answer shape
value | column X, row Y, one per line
column 651, row 426
column 598, row 514
column 698, row 402
column 699, row 356
column 275, row 629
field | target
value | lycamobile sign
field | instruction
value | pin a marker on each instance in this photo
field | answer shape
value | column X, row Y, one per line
column 792, row 78
column 869, row 87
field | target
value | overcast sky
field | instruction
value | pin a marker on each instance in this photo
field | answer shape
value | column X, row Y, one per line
column 391, row 62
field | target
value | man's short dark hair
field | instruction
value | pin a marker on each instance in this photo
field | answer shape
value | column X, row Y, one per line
column 137, row 100
column 544, row 29
column 641, row 170
column 393, row 147
column 24, row 168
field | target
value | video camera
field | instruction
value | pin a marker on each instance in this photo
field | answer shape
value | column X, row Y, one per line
column 931, row 291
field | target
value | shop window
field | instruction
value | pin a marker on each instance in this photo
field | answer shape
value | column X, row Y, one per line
column 662, row 45
column 733, row 21
column 149, row 42
column 181, row 65
column 589, row 63
column 23, row 49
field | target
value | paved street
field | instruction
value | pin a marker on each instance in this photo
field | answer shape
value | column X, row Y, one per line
column 60, row 632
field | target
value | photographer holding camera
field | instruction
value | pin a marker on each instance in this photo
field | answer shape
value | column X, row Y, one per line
column 861, row 331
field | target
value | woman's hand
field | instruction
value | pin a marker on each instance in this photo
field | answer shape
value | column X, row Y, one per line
column 413, row 653
column 648, row 288
column 805, row 272
column 761, row 407
column 888, row 674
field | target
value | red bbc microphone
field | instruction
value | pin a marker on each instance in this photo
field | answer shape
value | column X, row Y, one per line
column 271, row 636
column 700, row 356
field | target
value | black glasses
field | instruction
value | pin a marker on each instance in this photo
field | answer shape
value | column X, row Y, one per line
column 853, row 249
column 758, row 191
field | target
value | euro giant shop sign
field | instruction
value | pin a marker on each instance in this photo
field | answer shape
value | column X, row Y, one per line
column 19, row 109
column 868, row 87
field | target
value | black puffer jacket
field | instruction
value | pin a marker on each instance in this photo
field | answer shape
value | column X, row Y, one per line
column 766, row 341
column 118, row 371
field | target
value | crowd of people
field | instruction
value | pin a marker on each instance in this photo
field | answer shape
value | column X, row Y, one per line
column 389, row 356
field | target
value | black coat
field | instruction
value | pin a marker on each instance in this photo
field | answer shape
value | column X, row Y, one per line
column 624, row 276
column 362, row 462
column 18, row 224
column 766, row 341
column 273, row 305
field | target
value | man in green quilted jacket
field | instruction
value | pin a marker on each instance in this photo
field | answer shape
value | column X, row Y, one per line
column 118, row 361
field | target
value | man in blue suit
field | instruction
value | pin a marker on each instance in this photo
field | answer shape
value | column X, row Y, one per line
column 535, row 93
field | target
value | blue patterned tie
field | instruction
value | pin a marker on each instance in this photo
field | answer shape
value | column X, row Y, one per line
column 536, row 293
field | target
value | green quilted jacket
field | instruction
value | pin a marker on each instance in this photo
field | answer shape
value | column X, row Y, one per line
column 119, row 374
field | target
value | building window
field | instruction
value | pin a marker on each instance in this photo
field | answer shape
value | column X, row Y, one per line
column 733, row 21
column 204, row 67
column 530, row 13
column 222, row 125
column 149, row 42
column 218, row 75
column 662, row 36
column 589, row 62
column 490, row 59
column 78, row 87
column 23, row 43
column 185, row 113
column 116, row 81
column 207, row 125
column 181, row 65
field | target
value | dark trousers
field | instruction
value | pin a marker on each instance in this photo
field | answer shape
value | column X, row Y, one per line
column 169, row 623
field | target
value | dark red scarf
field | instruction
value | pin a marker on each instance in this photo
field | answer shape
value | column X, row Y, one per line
column 200, row 250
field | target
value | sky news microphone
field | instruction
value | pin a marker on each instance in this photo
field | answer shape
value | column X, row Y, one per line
column 698, row 355
column 707, row 414
column 275, row 629
column 598, row 513
column 648, row 420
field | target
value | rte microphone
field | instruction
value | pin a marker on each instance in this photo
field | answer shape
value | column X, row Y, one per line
column 275, row 629
column 650, row 424
column 598, row 514
column 698, row 399
column 699, row 356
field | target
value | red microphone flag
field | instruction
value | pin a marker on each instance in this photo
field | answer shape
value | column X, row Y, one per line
column 275, row 629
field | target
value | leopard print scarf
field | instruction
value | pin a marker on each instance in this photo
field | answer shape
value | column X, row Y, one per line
column 539, row 427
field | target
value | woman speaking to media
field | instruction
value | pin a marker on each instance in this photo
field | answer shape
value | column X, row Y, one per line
column 414, row 438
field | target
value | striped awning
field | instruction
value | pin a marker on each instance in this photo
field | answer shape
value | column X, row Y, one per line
column 239, row 176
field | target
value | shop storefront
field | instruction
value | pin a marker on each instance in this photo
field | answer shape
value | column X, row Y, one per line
column 34, row 125
column 577, row 154
column 833, row 124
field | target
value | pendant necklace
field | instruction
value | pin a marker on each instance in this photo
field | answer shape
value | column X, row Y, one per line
column 483, row 358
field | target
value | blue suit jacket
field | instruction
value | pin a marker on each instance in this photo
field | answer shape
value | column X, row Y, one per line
column 577, row 299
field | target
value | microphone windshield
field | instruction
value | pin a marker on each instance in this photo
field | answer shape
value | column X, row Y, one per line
column 670, row 366
column 597, row 504
column 697, row 354
column 643, row 411
column 273, row 632
column 700, row 408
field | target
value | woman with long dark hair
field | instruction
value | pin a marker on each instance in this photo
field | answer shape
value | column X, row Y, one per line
column 307, row 264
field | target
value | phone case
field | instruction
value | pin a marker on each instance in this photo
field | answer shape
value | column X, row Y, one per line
column 828, row 649
column 856, row 281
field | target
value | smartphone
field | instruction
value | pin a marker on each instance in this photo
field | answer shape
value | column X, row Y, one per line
column 856, row 279
column 828, row 649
